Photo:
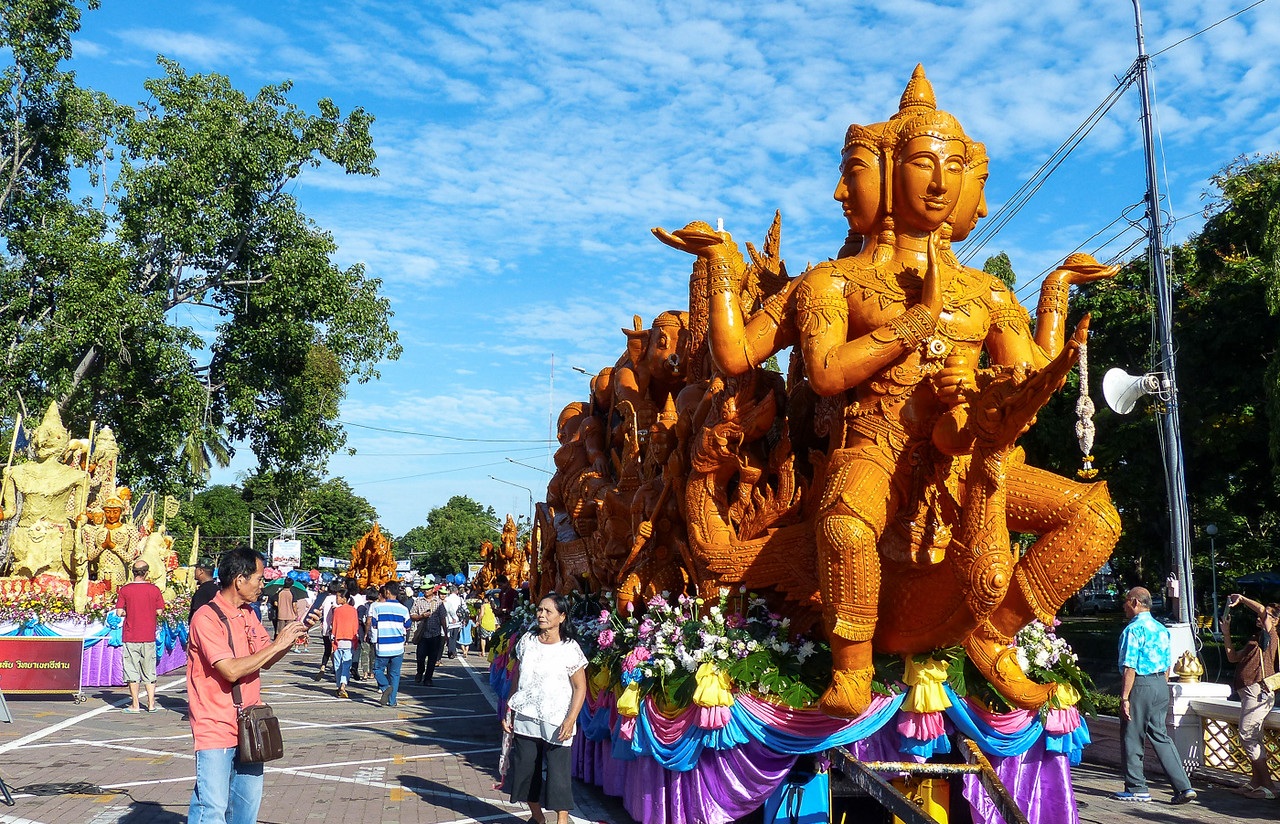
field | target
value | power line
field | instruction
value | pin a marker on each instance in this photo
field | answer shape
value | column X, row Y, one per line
column 428, row 474
column 446, row 437
column 362, row 454
column 1210, row 26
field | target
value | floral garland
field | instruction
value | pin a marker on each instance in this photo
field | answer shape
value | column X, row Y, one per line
column 31, row 607
column 683, row 652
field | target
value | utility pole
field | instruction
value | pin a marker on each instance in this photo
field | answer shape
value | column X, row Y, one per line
column 1170, row 430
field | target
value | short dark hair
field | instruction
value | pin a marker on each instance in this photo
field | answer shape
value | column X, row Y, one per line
column 391, row 588
column 370, row 593
column 337, row 586
column 503, row 580
column 140, row 568
column 236, row 562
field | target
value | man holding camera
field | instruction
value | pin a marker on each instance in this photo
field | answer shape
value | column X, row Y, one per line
column 221, row 653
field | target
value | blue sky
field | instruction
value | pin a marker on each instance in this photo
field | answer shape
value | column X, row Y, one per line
column 526, row 149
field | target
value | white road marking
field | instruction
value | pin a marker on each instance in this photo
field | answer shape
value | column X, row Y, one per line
column 71, row 722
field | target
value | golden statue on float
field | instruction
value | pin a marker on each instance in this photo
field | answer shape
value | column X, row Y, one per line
column 874, row 488
column 69, row 530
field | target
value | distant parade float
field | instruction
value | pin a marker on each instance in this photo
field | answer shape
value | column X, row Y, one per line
column 769, row 565
column 70, row 536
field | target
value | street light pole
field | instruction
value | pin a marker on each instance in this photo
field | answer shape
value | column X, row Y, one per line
column 1170, row 429
column 1212, row 530
column 519, row 486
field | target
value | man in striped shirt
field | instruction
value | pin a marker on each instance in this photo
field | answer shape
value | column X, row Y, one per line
column 387, row 626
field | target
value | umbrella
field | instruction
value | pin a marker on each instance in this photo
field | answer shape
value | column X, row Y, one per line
column 272, row 588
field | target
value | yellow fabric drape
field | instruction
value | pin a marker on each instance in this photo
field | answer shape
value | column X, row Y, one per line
column 713, row 687
column 629, row 701
column 926, row 681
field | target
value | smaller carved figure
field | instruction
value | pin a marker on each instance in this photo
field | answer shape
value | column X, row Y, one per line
column 113, row 545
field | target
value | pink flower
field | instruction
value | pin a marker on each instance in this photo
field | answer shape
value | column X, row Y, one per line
column 605, row 638
column 657, row 601
column 646, row 628
column 635, row 658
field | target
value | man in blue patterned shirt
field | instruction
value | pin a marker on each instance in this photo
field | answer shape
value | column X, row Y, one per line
column 1145, row 659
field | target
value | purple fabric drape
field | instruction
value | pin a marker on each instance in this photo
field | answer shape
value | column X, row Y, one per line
column 726, row 784
column 102, row 665
column 1039, row 782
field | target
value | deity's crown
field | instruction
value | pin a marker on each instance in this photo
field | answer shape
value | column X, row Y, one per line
column 671, row 318
column 865, row 136
column 668, row 416
column 939, row 124
column 113, row 502
column 977, row 154
column 51, row 436
column 917, row 97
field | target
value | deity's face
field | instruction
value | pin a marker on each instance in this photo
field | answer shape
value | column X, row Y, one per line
column 96, row 517
column 111, row 514
column 927, row 182
column 858, row 191
column 971, row 206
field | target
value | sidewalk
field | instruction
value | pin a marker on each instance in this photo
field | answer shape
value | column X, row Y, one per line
column 432, row 759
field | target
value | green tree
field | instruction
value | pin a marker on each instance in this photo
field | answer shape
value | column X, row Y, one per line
column 452, row 536
column 341, row 518
column 1226, row 290
column 223, row 517
column 1000, row 266
column 198, row 213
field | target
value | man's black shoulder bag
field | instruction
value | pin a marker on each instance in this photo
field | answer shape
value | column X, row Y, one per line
column 259, row 729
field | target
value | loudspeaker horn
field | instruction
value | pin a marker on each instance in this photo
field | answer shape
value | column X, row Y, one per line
column 1122, row 390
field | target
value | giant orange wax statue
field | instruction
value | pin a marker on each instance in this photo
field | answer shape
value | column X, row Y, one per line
column 372, row 561
column 873, row 490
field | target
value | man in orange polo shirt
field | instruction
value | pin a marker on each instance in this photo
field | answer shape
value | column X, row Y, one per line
column 219, row 654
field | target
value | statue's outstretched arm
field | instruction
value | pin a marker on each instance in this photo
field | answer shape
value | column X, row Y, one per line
column 738, row 344
column 1051, row 311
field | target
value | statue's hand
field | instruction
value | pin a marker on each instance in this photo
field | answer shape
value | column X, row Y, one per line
column 956, row 382
column 697, row 238
column 931, row 290
column 1082, row 268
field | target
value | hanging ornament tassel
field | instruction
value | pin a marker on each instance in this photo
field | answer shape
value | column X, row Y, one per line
column 1084, row 419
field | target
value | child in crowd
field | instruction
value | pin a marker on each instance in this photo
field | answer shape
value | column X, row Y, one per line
column 488, row 624
column 468, row 628
column 342, row 625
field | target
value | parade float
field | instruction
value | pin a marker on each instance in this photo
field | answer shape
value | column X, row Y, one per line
column 767, row 566
column 70, row 534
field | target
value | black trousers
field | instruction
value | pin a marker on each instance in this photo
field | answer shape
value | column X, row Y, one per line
column 429, row 651
column 529, row 757
column 328, row 650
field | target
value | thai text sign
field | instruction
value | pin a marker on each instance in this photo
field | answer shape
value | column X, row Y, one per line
column 286, row 553
column 40, row 665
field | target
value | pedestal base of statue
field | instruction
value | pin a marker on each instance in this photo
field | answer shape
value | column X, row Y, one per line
column 712, row 765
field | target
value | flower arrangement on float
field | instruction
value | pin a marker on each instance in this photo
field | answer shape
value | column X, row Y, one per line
column 681, row 652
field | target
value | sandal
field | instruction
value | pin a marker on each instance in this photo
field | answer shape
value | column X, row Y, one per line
column 131, row 711
column 1251, row 791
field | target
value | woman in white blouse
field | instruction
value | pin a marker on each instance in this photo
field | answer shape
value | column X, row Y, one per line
column 547, row 692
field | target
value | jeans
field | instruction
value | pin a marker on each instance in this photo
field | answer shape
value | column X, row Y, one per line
column 386, row 671
column 226, row 790
column 341, row 666
column 453, row 641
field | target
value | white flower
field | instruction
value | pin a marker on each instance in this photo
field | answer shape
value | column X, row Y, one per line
column 1023, row 663
column 723, row 655
column 806, row 649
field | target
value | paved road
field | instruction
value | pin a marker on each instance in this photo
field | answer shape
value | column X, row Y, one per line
column 432, row 759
